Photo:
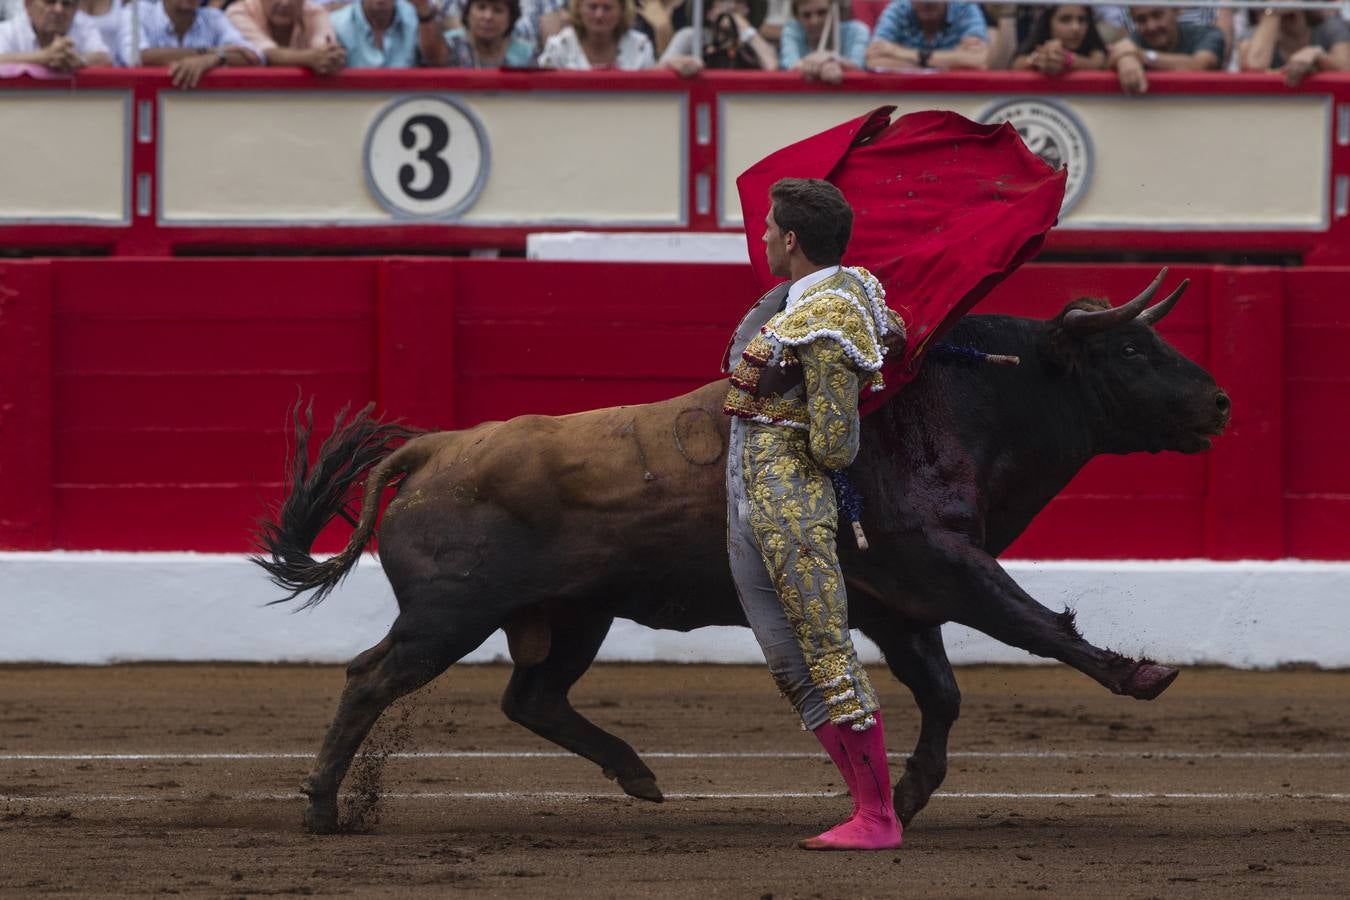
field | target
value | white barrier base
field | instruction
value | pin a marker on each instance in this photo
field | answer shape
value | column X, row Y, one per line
column 96, row 608
column 653, row 247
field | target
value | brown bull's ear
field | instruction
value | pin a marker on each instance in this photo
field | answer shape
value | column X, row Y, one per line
column 1061, row 348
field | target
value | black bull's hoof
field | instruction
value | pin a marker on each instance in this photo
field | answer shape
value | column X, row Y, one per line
column 642, row 787
column 1148, row 680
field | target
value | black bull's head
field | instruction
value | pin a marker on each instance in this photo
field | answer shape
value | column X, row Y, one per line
column 1141, row 392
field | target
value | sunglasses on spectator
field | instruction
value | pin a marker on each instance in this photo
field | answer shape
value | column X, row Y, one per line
column 68, row 4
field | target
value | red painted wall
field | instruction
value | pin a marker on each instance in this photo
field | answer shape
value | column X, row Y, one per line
column 143, row 402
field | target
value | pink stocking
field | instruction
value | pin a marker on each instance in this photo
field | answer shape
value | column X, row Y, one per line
column 833, row 741
column 874, row 826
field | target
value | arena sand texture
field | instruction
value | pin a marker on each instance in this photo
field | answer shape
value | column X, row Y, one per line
column 1232, row 784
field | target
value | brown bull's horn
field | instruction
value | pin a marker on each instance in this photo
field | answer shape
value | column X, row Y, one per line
column 1153, row 315
column 1085, row 321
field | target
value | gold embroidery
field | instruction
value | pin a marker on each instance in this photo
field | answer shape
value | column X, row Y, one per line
column 794, row 518
column 772, row 410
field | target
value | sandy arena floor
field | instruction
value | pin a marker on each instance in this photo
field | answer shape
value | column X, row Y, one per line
column 181, row 780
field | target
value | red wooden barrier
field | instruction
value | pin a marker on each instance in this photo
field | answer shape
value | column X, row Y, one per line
column 143, row 402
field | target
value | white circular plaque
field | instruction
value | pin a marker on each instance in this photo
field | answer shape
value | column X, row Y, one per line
column 426, row 157
column 1055, row 134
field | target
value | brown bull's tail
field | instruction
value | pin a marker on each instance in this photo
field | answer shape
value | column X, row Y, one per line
column 320, row 493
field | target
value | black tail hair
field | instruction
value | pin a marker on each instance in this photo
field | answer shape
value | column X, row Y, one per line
column 320, row 493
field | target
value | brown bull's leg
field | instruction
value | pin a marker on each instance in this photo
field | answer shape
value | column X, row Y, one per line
column 919, row 660
column 537, row 698
column 408, row 657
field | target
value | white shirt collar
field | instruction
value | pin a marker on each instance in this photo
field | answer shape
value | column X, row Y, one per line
column 800, row 286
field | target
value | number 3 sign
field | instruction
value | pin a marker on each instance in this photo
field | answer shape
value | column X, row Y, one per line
column 427, row 158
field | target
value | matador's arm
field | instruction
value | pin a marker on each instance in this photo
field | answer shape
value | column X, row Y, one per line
column 831, row 403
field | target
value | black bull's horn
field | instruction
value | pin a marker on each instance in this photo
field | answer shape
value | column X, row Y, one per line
column 1085, row 321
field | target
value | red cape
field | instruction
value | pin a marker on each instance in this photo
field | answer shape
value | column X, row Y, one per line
column 943, row 209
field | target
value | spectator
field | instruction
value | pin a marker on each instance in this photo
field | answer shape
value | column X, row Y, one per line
column 46, row 35
column 1063, row 38
column 776, row 16
column 391, row 34
column 1222, row 19
column 104, row 16
column 601, row 36
column 290, row 33
column 1160, row 42
column 660, row 19
column 1298, row 43
column 189, row 39
column 844, row 45
column 1007, row 23
column 927, row 35
column 488, row 38
column 731, row 40
column 538, row 20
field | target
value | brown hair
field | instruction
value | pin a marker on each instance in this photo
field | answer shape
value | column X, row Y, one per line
column 819, row 215
column 512, row 13
column 627, row 16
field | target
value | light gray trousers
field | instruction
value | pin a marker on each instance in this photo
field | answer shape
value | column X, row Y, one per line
column 760, row 600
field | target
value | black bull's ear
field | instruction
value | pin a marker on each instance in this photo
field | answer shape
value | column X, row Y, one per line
column 1090, row 315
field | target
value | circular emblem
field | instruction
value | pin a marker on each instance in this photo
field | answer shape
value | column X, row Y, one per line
column 426, row 157
column 1053, row 133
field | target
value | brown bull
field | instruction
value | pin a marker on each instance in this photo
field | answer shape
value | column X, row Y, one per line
column 551, row 527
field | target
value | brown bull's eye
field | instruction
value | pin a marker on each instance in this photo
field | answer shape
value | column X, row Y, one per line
column 1129, row 351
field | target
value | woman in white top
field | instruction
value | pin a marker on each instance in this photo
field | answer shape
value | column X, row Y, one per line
column 106, row 17
column 601, row 36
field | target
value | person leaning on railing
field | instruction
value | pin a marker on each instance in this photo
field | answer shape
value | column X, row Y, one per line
column 731, row 40
column 601, row 36
column 189, row 39
column 927, row 35
column 822, row 40
column 488, row 39
column 105, row 16
column 1298, row 43
column 1162, row 43
column 390, row 34
column 48, row 36
column 537, row 21
column 1063, row 39
column 289, row 33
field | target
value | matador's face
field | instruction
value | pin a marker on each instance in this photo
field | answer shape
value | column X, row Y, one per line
column 775, row 247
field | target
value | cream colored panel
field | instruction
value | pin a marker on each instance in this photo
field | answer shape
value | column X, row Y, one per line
column 554, row 158
column 1240, row 163
column 1206, row 162
column 65, row 156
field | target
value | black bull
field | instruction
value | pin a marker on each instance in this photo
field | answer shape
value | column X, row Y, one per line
column 550, row 528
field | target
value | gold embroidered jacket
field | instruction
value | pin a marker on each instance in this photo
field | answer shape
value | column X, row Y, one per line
column 849, row 309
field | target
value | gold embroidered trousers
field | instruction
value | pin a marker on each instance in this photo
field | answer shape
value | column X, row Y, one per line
column 786, row 503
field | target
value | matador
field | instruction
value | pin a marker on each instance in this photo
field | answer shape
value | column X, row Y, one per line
column 801, row 357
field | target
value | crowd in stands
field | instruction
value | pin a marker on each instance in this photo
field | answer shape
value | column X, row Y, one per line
column 819, row 39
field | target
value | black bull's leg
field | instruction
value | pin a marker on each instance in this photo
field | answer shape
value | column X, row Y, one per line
column 536, row 698
column 918, row 659
column 973, row 589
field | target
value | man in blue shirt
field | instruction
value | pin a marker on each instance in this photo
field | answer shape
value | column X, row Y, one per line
column 190, row 39
column 390, row 34
column 926, row 35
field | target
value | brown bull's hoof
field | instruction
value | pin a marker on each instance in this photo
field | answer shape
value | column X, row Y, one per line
column 321, row 819
column 642, row 787
column 1148, row 680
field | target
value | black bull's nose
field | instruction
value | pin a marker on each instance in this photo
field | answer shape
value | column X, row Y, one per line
column 1224, row 405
